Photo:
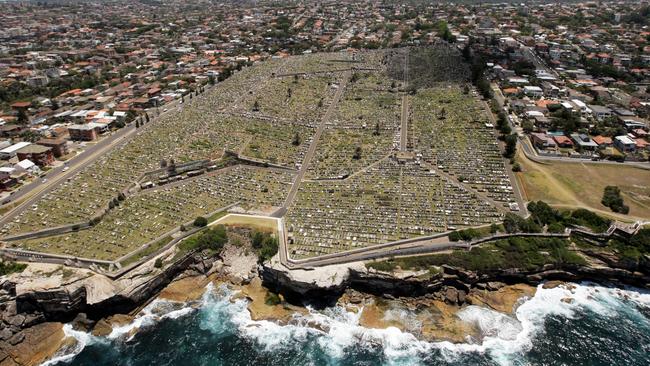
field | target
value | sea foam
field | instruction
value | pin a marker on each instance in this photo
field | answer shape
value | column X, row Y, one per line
column 336, row 331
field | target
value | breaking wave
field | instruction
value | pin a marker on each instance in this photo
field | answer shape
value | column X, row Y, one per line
column 333, row 336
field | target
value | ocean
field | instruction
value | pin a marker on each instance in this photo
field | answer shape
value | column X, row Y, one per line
column 584, row 325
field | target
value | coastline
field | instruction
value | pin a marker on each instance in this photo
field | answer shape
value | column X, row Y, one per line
column 90, row 303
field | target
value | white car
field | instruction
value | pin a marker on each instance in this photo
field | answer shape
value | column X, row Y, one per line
column 65, row 169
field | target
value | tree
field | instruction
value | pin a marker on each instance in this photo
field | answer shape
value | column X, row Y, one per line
column 200, row 221
column 528, row 126
column 54, row 105
column 137, row 123
column 211, row 80
column 130, row 115
column 265, row 244
column 296, row 139
column 514, row 224
column 30, row 136
column 146, row 117
column 22, row 117
column 158, row 263
column 256, row 106
column 445, row 33
column 377, row 130
column 511, row 146
column 163, row 163
column 542, row 213
column 357, row 153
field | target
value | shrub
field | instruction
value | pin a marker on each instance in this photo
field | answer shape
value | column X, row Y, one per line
column 589, row 219
column 514, row 224
column 212, row 238
column 200, row 221
column 556, row 227
column 465, row 235
column 158, row 263
column 612, row 198
column 272, row 299
column 8, row 267
column 265, row 244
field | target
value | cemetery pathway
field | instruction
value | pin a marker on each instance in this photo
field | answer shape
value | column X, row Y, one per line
column 312, row 147
column 405, row 118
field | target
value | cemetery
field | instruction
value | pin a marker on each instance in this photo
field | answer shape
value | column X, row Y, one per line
column 327, row 127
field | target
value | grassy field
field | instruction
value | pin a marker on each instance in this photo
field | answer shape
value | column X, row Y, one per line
column 569, row 185
column 257, row 222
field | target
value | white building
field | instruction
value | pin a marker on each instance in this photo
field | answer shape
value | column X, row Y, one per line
column 533, row 91
column 27, row 166
column 9, row 152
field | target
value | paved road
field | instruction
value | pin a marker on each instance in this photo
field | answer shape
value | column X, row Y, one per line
column 536, row 60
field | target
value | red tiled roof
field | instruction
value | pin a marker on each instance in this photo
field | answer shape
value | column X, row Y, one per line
column 21, row 105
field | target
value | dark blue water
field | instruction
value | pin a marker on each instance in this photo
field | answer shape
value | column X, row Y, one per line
column 599, row 327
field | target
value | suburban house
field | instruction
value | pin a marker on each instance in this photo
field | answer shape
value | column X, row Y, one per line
column 6, row 172
column 602, row 141
column 563, row 141
column 533, row 91
column 642, row 144
column 599, row 112
column 624, row 143
column 584, row 142
column 543, row 141
column 10, row 130
column 27, row 166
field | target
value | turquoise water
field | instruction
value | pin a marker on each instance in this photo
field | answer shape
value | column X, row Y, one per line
column 588, row 325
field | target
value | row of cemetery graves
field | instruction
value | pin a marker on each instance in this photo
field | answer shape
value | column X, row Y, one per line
column 146, row 216
column 388, row 202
